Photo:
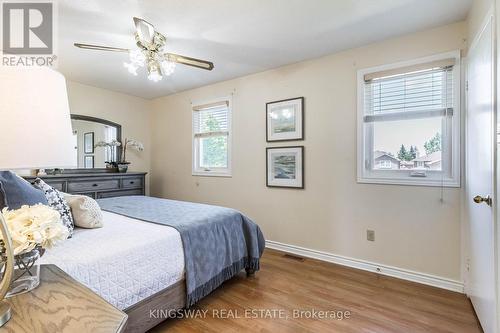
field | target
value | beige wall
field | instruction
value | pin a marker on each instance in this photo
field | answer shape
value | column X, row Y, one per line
column 133, row 113
column 476, row 17
column 414, row 229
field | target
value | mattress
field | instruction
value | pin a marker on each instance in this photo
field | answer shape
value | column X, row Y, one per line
column 124, row 262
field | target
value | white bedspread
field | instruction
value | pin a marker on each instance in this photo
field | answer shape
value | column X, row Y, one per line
column 125, row 261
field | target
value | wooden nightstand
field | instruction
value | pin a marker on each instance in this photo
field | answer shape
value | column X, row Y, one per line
column 62, row 304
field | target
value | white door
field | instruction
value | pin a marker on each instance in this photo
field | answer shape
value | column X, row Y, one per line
column 480, row 178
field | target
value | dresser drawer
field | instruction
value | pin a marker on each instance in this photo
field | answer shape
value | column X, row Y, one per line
column 132, row 182
column 113, row 194
column 58, row 185
column 88, row 194
column 93, row 185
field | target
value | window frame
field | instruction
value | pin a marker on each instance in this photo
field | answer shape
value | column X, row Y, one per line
column 451, row 166
column 196, row 170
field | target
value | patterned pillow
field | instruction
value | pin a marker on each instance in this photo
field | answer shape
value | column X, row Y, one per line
column 86, row 211
column 56, row 200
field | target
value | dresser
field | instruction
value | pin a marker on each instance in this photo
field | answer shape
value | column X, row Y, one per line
column 98, row 185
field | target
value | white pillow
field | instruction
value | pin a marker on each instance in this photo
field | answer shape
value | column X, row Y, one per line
column 85, row 210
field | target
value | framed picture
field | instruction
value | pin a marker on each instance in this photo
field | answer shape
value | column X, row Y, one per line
column 88, row 162
column 285, row 167
column 285, row 120
column 88, row 142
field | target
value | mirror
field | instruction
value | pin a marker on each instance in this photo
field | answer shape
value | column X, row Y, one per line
column 89, row 136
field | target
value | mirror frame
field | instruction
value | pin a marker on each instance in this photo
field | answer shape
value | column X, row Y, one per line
column 118, row 137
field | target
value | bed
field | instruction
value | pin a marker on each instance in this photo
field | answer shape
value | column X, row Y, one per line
column 148, row 273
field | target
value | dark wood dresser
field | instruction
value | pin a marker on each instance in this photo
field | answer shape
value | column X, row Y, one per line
column 98, row 185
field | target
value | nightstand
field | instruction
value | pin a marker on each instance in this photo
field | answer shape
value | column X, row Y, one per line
column 62, row 304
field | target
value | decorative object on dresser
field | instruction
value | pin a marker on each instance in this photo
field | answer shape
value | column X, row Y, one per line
column 97, row 185
column 285, row 120
column 132, row 144
column 111, row 152
column 64, row 305
column 285, row 167
column 32, row 100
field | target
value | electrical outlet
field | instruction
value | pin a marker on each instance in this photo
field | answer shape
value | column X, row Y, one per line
column 370, row 235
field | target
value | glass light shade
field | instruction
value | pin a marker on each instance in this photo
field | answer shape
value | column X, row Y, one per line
column 155, row 76
column 167, row 67
column 131, row 67
column 154, row 71
column 137, row 57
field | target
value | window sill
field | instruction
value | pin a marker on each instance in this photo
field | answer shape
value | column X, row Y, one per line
column 211, row 174
column 411, row 182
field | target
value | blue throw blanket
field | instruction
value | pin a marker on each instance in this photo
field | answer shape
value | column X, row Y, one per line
column 218, row 242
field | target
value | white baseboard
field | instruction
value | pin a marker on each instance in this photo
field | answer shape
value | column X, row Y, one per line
column 401, row 273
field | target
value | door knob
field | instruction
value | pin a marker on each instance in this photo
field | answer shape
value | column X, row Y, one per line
column 479, row 199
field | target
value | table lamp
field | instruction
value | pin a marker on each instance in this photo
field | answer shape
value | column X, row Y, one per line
column 36, row 133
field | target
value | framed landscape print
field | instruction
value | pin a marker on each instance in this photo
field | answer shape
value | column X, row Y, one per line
column 285, row 120
column 89, row 162
column 88, row 143
column 285, row 167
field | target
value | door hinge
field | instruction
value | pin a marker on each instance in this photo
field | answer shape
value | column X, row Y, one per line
column 467, row 85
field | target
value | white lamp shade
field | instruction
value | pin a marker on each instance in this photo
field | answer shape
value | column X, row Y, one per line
column 35, row 130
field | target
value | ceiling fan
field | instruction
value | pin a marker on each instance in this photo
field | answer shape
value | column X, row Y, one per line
column 151, row 53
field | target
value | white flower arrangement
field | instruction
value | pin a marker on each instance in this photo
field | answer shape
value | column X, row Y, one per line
column 133, row 144
column 33, row 226
column 111, row 146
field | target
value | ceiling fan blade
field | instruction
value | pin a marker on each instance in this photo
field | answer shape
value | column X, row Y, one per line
column 190, row 61
column 145, row 31
column 100, row 47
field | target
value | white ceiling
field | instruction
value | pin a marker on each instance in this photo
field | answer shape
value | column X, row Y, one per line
column 239, row 36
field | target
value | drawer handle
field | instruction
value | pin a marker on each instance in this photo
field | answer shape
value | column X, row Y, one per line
column 95, row 185
column 132, row 182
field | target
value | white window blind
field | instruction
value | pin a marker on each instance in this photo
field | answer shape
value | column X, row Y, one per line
column 212, row 139
column 211, row 120
column 421, row 93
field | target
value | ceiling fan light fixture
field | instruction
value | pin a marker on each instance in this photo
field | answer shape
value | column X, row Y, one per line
column 154, row 71
column 167, row 67
column 151, row 52
column 137, row 57
column 155, row 76
column 131, row 67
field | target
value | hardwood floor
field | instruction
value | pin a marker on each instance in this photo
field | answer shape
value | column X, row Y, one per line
column 376, row 303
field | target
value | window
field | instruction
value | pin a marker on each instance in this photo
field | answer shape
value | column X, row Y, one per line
column 109, row 135
column 409, row 122
column 212, row 138
column 385, row 164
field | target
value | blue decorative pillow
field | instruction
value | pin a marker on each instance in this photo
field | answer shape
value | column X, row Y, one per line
column 2, row 202
column 17, row 192
column 56, row 201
